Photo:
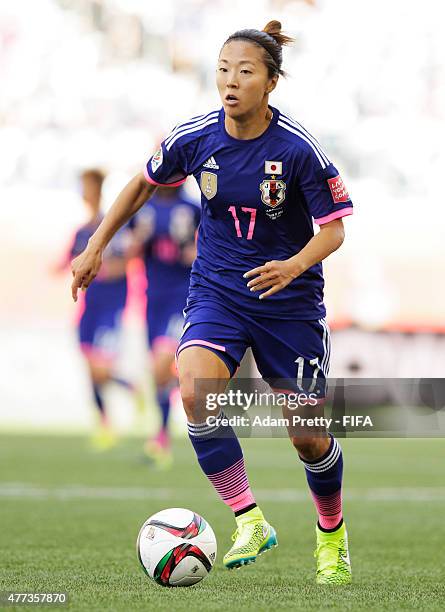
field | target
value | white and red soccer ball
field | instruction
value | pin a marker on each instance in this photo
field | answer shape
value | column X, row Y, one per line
column 176, row 547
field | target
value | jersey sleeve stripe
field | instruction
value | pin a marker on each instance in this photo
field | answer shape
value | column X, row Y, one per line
column 343, row 212
column 153, row 182
column 189, row 131
column 294, row 131
column 300, row 128
column 189, row 124
column 182, row 123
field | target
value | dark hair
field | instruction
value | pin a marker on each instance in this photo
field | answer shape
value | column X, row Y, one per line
column 95, row 174
column 271, row 39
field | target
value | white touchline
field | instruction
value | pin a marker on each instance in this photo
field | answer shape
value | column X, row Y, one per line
column 17, row 490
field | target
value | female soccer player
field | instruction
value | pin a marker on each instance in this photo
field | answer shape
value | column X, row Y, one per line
column 100, row 321
column 166, row 226
column 257, row 280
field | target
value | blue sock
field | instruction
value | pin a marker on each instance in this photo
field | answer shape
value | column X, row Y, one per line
column 163, row 397
column 324, row 477
column 221, row 459
column 122, row 382
column 97, row 391
column 216, row 446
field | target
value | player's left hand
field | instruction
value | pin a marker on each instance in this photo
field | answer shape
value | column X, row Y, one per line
column 274, row 274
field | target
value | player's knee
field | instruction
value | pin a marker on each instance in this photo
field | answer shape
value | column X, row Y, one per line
column 162, row 373
column 200, row 373
column 99, row 373
column 193, row 400
column 189, row 401
column 309, row 447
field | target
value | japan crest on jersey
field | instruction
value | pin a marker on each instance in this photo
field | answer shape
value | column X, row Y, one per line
column 272, row 192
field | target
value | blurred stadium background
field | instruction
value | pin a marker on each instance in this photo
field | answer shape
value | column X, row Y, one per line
column 98, row 82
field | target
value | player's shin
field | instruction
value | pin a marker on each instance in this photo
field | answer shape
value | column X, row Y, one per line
column 220, row 456
column 99, row 401
column 163, row 398
column 324, row 476
column 221, row 459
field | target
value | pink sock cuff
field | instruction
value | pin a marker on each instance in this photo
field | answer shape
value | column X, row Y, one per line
column 232, row 485
column 241, row 501
column 329, row 508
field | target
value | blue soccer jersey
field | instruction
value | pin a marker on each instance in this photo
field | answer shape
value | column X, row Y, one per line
column 104, row 291
column 100, row 324
column 259, row 200
column 168, row 226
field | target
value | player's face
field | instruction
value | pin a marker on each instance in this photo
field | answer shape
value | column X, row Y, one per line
column 91, row 191
column 242, row 78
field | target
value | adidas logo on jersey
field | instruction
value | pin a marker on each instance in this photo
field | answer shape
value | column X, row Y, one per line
column 211, row 163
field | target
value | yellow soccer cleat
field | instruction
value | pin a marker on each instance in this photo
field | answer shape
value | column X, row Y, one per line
column 159, row 454
column 103, row 439
column 252, row 537
column 332, row 554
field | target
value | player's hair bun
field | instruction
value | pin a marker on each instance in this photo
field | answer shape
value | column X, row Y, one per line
column 273, row 28
column 271, row 39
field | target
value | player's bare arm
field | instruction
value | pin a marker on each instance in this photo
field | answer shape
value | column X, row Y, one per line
column 86, row 266
column 278, row 274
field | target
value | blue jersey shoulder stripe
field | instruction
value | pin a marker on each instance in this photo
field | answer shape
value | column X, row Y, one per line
column 314, row 141
column 297, row 125
column 294, row 129
column 190, row 123
column 182, row 123
column 194, row 128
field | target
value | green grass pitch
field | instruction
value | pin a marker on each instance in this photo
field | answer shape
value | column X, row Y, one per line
column 69, row 520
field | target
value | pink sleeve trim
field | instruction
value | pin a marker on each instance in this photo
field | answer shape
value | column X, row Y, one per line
column 153, row 182
column 335, row 215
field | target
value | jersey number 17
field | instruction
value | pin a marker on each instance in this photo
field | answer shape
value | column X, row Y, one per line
column 252, row 212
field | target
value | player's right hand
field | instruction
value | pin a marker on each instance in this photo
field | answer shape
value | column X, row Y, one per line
column 84, row 269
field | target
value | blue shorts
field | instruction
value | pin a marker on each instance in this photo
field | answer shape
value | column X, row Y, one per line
column 100, row 324
column 165, row 320
column 290, row 354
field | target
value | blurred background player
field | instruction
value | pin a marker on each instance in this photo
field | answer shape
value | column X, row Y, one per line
column 166, row 227
column 99, row 322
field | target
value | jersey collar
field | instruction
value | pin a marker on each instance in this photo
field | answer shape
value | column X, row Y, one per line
column 244, row 142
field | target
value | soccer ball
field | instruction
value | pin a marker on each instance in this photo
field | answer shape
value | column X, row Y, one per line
column 176, row 547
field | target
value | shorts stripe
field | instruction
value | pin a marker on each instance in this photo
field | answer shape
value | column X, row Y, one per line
column 217, row 347
column 326, row 361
